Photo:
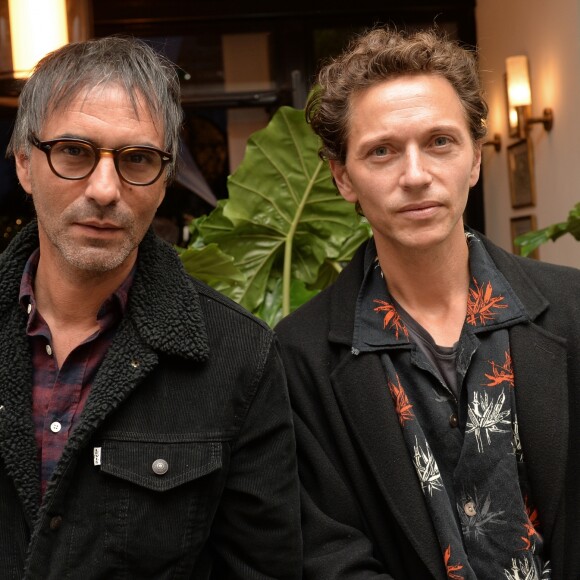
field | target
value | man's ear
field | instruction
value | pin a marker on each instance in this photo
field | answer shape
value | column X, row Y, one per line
column 475, row 169
column 23, row 170
column 342, row 180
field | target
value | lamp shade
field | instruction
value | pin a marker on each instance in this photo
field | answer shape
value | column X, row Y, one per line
column 518, row 81
column 36, row 28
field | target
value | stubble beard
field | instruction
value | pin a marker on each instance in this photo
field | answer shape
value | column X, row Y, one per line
column 94, row 256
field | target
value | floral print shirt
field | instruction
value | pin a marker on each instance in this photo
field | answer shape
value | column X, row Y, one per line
column 462, row 437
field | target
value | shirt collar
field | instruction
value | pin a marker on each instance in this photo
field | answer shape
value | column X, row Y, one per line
column 491, row 302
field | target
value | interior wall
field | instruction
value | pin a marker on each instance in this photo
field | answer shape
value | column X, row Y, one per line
column 246, row 68
column 548, row 33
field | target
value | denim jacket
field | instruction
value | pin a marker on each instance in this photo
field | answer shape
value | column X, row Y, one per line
column 183, row 462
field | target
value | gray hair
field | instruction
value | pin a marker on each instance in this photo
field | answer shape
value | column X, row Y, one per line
column 61, row 75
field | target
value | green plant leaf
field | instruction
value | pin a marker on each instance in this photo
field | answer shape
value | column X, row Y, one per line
column 331, row 268
column 284, row 226
column 271, row 308
column 283, row 216
column 282, row 182
column 529, row 241
column 254, row 252
column 211, row 265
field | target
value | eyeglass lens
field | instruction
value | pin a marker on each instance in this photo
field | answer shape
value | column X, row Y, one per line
column 75, row 160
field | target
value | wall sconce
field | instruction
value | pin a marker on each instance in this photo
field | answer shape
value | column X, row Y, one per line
column 495, row 142
column 520, row 99
column 29, row 29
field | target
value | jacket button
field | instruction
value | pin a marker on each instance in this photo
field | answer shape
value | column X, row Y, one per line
column 160, row 467
column 55, row 522
column 453, row 420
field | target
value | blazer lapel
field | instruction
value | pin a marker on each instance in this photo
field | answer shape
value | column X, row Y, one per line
column 362, row 392
column 541, row 386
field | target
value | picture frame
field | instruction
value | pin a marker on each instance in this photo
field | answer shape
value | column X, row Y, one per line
column 522, row 225
column 521, row 174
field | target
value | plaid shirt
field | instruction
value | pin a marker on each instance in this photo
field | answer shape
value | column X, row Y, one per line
column 59, row 394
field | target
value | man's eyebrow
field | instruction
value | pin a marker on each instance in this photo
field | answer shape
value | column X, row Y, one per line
column 388, row 134
column 79, row 137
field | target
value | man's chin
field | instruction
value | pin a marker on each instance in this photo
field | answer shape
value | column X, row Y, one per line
column 96, row 260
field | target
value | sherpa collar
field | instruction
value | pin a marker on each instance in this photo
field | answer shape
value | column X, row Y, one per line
column 163, row 302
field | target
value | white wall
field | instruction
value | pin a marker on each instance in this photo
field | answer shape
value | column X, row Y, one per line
column 548, row 33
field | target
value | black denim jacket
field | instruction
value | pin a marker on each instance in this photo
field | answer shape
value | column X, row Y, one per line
column 183, row 463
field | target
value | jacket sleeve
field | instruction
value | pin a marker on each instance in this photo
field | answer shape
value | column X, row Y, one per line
column 256, row 531
column 336, row 544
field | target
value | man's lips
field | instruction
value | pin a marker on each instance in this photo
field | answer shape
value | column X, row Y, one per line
column 98, row 229
column 99, row 225
column 423, row 209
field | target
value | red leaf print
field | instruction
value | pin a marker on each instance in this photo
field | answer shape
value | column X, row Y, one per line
column 451, row 568
column 391, row 317
column 530, row 526
column 501, row 373
column 403, row 408
column 480, row 303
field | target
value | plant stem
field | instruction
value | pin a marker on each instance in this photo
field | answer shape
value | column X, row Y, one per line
column 287, row 270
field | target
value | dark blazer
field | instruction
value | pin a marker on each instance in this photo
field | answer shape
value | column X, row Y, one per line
column 363, row 512
column 191, row 379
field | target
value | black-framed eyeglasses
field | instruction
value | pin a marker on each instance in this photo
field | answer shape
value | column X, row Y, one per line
column 76, row 159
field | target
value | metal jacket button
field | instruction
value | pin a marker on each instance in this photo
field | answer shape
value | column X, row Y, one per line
column 55, row 522
column 160, row 467
column 453, row 420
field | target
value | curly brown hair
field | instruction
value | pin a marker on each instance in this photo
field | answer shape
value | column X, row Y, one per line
column 381, row 54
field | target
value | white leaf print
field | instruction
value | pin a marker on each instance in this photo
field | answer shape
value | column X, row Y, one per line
column 485, row 416
column 522, row 570
column 427, row 469
column 517, row 443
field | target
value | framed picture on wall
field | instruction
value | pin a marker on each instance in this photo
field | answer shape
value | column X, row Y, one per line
column 521, row 173
column 522, row 225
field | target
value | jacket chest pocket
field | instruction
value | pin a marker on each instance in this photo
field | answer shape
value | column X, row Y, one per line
column 160, row 499
column 160, row 466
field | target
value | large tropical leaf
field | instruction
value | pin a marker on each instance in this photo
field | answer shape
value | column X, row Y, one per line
column 214, row 267
column 284, row 225
column 270, row 309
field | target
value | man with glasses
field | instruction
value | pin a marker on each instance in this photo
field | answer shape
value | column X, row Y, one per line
column 145, row 430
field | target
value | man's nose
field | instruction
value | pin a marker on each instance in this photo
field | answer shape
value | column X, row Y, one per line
column 415, row 171
column 104, row 183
